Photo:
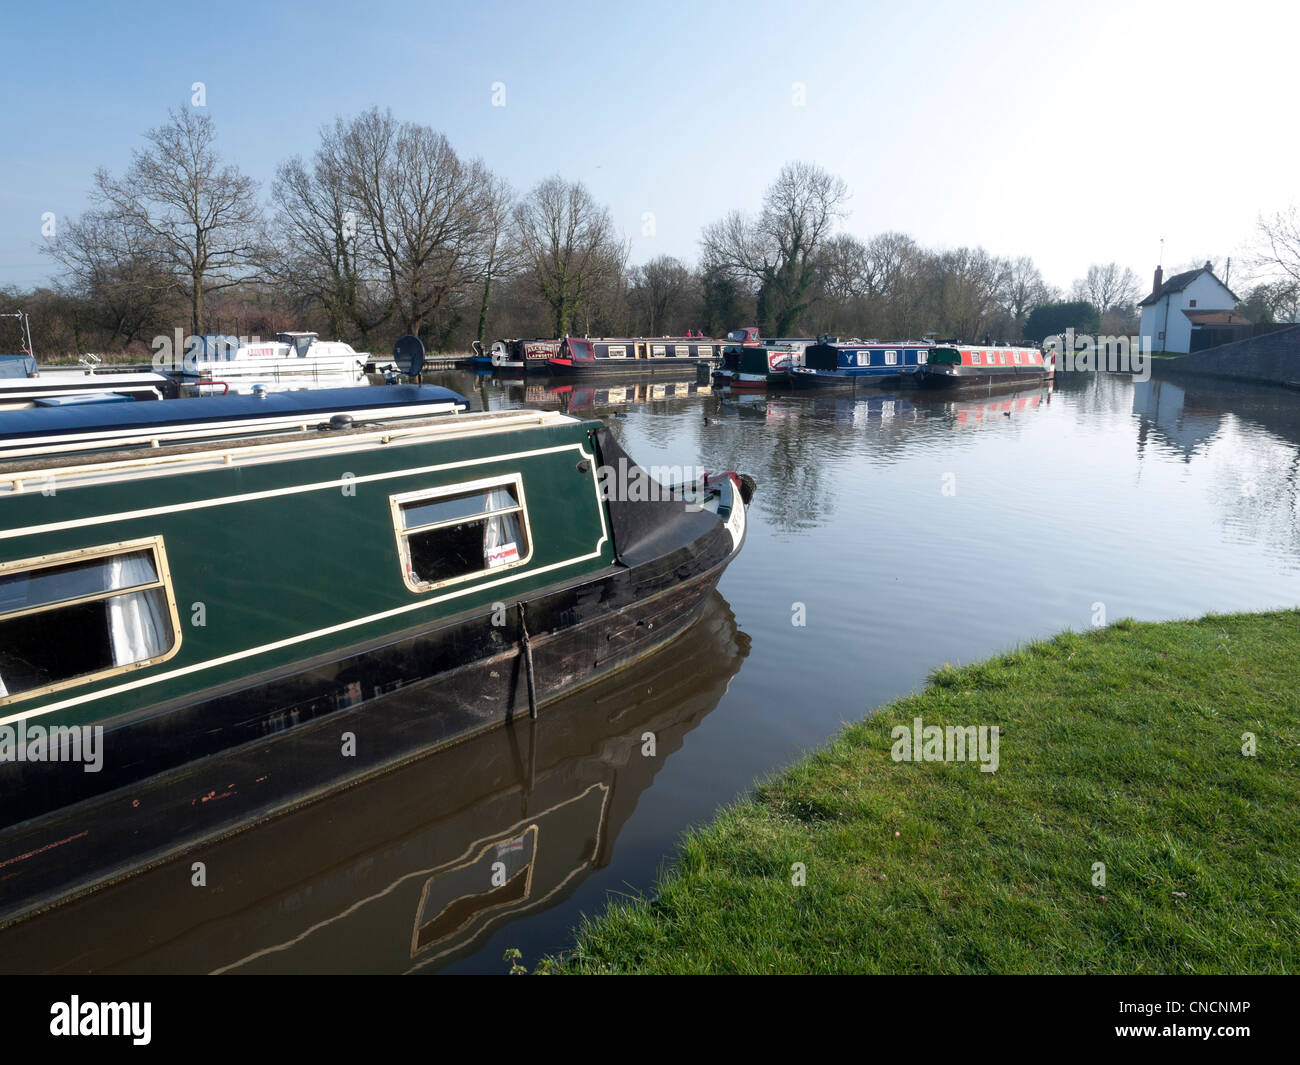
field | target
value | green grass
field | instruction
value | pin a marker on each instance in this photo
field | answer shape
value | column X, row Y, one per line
column 1121, row 746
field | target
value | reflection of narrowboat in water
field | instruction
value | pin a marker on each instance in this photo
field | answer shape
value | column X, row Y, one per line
column 952, row 367
column 582, row 397
column 969, row 414
column 860, row 365
column 408, row 869
column 679, row 356
column 193, row 575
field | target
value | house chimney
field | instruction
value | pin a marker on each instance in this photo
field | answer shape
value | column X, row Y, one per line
column 1160, row 276
column 1209, row 266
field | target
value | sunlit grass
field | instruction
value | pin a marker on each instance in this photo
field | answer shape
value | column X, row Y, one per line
column 1122, row 746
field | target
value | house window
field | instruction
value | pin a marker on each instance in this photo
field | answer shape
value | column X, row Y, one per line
column 451, row 534
column 1191, row 303
column 82, row 615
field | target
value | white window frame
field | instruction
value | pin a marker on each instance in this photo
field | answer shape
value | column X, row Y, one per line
column 891, row 358
column 424, row 495
column 616, row 351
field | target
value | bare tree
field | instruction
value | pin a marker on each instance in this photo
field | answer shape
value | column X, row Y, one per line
column 420, row 210
column 1108, row 287
column 200, row 217
column 1275, row 260
column 500, row 252
column 661, row 291
column 777, row 253
column 1023, row 289
column 318, row 251
column 963, row 286
column 113, row 266
column 571, row 248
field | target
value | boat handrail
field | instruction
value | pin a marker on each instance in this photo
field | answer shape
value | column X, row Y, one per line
column 484, row 422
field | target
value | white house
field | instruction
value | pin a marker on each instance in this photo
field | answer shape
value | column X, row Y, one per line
column 1174, row 306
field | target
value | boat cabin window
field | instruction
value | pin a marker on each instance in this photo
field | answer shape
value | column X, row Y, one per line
column 618, row 351
column 682, row 351
column 891, row 358
column 455, row 533
column 83, row 615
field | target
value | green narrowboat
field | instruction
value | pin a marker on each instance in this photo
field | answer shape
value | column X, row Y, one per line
column 179, row 579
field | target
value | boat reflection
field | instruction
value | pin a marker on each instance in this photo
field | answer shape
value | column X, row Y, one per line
column 970, row 413
column 414, row 868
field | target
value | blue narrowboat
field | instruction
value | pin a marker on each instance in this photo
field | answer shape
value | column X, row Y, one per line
column 858, row 364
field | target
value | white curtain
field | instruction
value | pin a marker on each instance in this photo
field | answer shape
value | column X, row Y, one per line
column 502, row 529
column 137, row 622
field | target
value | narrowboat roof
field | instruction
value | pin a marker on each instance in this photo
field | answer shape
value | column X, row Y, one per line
column 375, row 401
column 27, row 465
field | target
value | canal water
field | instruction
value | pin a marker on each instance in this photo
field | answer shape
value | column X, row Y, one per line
column 890, row 534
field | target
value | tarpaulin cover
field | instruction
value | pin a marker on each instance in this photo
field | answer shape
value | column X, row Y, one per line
column 17, row 365
column 646, row 525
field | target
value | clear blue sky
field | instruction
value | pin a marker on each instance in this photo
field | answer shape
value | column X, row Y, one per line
column 1073, row 132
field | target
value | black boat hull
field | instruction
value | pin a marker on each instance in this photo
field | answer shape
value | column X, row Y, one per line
column 951, row 378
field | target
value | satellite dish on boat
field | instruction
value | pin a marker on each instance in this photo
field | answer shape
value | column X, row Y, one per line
column 408, row 352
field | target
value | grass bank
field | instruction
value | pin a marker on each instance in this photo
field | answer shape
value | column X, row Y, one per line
column 1122, row 746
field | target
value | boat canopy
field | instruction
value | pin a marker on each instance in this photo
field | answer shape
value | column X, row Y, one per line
column 754, row 361
column 822, row 357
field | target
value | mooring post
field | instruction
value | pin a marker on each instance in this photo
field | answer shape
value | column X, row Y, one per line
column 528, row 663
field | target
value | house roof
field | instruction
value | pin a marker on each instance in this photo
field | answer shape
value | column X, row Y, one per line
column 1217, row 318
column 1178, row 282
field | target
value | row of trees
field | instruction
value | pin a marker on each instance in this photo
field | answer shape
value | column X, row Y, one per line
column 387, row 230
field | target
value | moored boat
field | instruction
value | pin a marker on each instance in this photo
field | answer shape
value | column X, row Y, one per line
column 1002, row 366
column 859, row 364
column 524, row 356
column 220, row 365
column 765, row 366
column 205, row 575
column 24, row 385
column 740, row 341
column 676, row 356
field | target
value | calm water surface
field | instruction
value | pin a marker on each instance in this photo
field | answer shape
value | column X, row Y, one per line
column 907, row 531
